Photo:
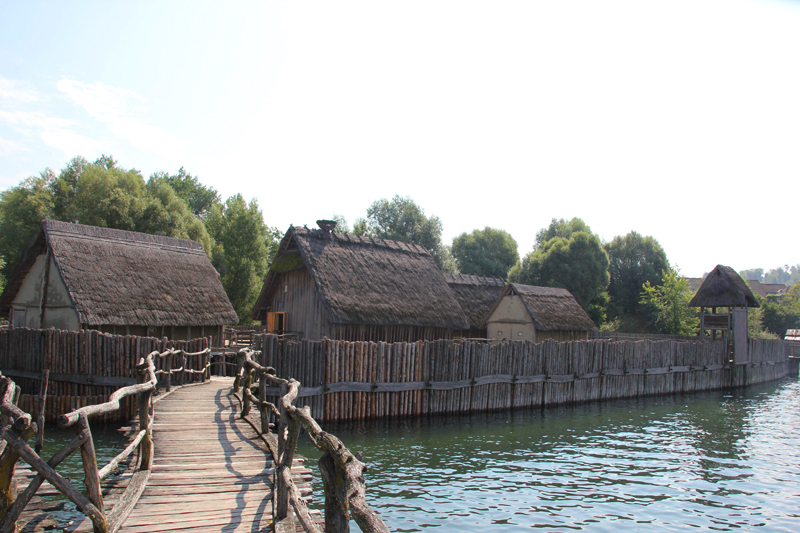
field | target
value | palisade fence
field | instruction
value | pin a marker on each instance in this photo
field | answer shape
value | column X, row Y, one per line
column 85, row 366
column 363, row 380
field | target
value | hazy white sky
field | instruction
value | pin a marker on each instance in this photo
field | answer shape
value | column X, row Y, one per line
column 677, row 119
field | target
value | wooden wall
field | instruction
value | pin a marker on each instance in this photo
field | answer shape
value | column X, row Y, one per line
column 297, row 296
column 85, row 366
column 363, row 380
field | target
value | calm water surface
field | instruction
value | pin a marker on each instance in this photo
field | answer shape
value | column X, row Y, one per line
column 718, row 461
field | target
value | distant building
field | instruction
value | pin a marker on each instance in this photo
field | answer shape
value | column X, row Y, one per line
column 766, row 289
column 74, row 276
column 347, row 287
column 529, row 313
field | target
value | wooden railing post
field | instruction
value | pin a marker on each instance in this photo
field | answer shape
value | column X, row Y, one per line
column 8, row 460
column 246, row 382
column 334, row 481
column 241, row 357
column 91, row 479
column 169, row 370
column 145, row 405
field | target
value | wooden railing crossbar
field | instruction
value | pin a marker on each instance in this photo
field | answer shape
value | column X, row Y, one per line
column 342, row 472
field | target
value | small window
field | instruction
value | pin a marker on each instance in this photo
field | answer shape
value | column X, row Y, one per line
column 19, row 318
column 276, row 323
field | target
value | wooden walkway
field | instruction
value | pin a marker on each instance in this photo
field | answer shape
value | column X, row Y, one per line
column 211, row 471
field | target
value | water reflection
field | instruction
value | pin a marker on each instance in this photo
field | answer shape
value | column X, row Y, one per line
column 718, row 461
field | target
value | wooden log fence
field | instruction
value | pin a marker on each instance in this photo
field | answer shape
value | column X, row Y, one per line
column 341, row 471
column 364, row 380
column 86, row 366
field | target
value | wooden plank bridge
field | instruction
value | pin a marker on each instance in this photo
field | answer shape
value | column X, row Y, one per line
column 211, row 470
column 201, row 464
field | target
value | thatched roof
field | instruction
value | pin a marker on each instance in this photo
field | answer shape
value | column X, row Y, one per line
column 362, row 280
column 475, row 294
column 118, row 277
column 550, row 308
column 723, row 287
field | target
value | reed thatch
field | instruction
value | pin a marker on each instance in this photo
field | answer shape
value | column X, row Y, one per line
column 117, row 277
column 550, row 308
column 475, row 294
column 723, row 287
column 363, row 280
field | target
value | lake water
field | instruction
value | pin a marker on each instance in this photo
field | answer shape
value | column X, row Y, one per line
column 720, row 461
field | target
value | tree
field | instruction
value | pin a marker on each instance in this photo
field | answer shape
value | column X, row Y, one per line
column 633, row 261
column 578, row 264
column 400, row 219
column 560, row 228
column 488, row 252
column 753, row 273
column 782, row 312
column 671, row 299
column 241, row 250
column 98, row 194
column 22, row 209
column 197, row 196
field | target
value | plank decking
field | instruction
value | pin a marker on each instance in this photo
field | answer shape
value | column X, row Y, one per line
column 211, row 470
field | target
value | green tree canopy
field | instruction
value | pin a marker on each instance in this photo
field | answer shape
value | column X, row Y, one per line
column 578, row 263
column 633, row 261
column 782, row 312
column 671, row 299
column 241, row 250
column 98, row 194
column 560, row 228
column 485, row 252
column 22, row 209
column 400, row 219
column 197, row 196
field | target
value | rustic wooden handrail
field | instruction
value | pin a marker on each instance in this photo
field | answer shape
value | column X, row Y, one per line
column 342, row 472
column 17, row 429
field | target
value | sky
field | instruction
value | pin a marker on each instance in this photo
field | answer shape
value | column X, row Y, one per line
column 678, row 119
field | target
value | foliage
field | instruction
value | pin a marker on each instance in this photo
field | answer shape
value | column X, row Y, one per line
column 22, row 209
column 633, row 261
column 241, row 250
column 400, row 219
column 752, row 273
column 341, row 224
column 488, row 252
column 98, row 194
column 560, row 228
column 198, row 197
column 782, row 312
column 578, row 264
column 2, row 277
column 786, row 274
column 671, row 300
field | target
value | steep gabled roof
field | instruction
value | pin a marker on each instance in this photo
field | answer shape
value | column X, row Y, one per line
column 723, row 287
column 475, row 294
column 550, row 308
column 121, row 277
column 362, row 280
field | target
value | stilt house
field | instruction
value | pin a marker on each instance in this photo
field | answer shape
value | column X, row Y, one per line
column 73, row 276
column 476, row 295
column 346, row 287
column 525, row 312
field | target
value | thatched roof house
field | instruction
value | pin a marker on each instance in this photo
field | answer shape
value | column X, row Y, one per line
column 476, row 295
column 116, row 281
column 723, row 287
column 341, row 286
column 525, row 312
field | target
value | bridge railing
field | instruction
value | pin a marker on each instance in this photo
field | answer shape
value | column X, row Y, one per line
column 18, row 428
column 341, row 471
